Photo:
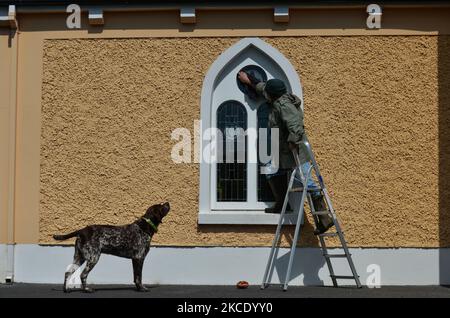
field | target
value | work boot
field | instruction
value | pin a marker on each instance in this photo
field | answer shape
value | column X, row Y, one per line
column 325, row 221
column 278, row 185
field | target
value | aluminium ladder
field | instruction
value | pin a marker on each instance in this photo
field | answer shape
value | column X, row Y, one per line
column 306, row 195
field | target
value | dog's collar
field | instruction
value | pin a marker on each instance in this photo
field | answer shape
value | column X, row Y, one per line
column 152, row 225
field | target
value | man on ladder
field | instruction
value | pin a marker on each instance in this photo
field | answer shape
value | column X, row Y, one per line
column 286, row 114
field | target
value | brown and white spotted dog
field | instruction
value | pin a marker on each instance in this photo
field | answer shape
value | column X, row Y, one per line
column 129, row 241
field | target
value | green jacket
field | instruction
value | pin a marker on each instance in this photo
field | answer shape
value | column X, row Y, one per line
column 286, row 114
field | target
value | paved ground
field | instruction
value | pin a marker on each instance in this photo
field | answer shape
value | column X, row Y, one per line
column 171, row 291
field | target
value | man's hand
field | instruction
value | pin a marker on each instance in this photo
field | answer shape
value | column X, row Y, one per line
column 293, row 146
column 244, row 78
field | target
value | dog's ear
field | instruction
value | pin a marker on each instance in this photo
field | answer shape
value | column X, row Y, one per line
column 150, row 210
column 158, row 211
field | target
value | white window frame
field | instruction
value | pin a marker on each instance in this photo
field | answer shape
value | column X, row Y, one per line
column 211, row 211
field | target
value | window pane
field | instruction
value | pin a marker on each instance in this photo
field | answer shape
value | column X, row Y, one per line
column 256, row 74
column 232, row 177
column 264, row 192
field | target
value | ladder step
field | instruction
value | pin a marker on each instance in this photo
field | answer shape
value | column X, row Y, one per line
column 324, row 212
column 335, row 255
column 300, row 189
column 329, row 234
column 342, row 277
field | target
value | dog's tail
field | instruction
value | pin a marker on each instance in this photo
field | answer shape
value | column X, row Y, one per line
column 65, row 236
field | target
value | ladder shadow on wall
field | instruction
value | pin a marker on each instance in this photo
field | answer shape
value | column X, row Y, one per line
column 307, row 263
column 306, row 266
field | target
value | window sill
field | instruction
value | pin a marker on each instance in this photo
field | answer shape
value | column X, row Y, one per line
column 245, row 218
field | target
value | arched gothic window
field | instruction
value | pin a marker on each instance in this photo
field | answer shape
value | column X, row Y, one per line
column 236, row 192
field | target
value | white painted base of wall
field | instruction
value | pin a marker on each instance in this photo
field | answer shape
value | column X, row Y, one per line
column 228, row 265
column 3, row 262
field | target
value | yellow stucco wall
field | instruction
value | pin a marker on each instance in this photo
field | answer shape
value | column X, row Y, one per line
column 373, row 108
column 5, row 130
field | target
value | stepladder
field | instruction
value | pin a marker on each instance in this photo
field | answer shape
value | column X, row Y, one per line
column 307, row 180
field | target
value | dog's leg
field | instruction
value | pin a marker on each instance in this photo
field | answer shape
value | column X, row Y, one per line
column 69, row 271
column 90, row 263
column 137, row 270
column 78, row 260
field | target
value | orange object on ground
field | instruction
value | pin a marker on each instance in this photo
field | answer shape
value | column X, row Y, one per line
column 242, row 284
